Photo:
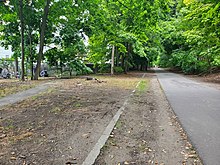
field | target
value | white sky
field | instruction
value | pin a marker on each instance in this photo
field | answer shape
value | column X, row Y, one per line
column 4, row 52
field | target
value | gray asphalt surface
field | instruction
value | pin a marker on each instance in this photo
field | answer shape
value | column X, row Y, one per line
column 11, row 99
column 198, row 109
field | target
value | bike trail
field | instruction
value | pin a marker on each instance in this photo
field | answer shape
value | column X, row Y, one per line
column 198, row 109
column 17, row 97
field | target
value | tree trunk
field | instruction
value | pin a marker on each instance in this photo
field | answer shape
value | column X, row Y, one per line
column 22, row 39
column 30, row 42
column 117, row 56
column 42, row 37
column 113, row 60
column 16, row 65
column 126, row 58
column 31, row 55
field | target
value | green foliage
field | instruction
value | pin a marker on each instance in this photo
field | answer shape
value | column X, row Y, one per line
column 118, row 69
column 104, row 68
column 170, row 33
column 142, row 87
column 79, row 67
column 191, row 40
column 6, row 63
column 66, row 60
column 130, row 27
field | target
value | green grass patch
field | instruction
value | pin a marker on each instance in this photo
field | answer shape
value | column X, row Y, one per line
column 77, row 105
column 55, row 110
column 118, row 124
column 142, row 87
column 8, row 125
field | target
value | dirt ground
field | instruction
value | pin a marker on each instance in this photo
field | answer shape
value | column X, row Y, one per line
column 148, row 132
column 212, row 80
column 62, row 125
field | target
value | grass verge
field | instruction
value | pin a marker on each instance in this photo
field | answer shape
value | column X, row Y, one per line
column 142, row 87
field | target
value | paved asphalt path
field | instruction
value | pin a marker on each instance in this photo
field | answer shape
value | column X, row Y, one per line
column 11, row 99
column 198, row 109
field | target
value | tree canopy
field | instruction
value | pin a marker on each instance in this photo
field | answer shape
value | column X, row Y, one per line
column 171, row 33
column 191, row 38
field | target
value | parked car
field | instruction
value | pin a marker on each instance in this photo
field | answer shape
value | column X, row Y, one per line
column 43, row 73
column 5, row 73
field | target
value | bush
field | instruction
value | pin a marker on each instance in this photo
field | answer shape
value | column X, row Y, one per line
column 105, row 68
column 118, row 69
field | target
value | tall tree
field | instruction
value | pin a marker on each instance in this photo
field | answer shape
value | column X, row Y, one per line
column 191, row 39
column 22, row 38
column 42, row 38
column 130, row 25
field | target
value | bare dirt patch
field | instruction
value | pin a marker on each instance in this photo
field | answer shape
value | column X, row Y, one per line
column 61, row 126
column 212, row 80
column 148, row 132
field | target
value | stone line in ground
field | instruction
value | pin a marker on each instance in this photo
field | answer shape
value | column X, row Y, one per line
column 94, row 153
